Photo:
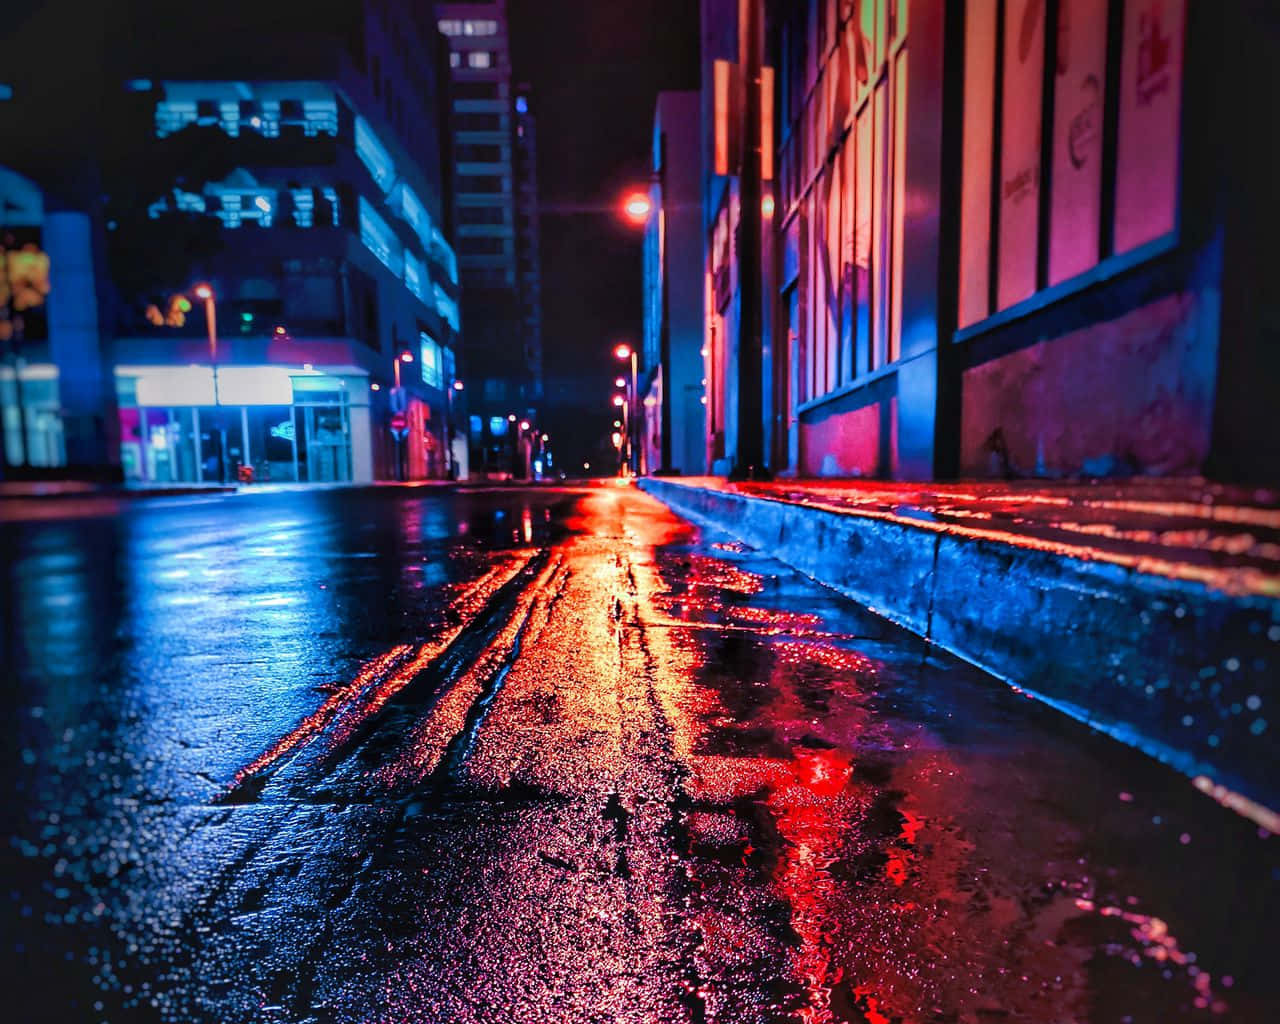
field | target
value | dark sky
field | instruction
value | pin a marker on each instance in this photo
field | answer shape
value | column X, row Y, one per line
column 596, row 67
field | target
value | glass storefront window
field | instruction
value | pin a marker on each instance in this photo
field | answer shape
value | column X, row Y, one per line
column 32, row 428
column 180, row 442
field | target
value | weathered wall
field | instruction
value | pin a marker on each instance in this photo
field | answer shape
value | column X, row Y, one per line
column 858, row 442
column 1132, row 395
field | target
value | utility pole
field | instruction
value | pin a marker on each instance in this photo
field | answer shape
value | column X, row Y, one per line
column 748, row 458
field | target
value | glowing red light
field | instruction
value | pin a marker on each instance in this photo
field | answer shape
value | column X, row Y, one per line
column 637, row 207
column 622, row 351
column 406, row 357
column 203, row 291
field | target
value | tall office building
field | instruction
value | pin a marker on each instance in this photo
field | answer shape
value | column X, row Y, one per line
column 247, row 242
column 496, row 195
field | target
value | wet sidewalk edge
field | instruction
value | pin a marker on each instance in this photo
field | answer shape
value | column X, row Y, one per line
column 1168, row 665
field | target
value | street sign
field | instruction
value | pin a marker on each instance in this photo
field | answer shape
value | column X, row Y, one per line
column 399, row 401
column 399, row 425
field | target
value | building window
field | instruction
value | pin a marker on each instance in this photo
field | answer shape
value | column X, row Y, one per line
column 475, row 153
column 379, row 239
column 848, row 142
column 478, row 122
column 455, row 59
column 482, row 215
column 475, row 91
column 480, row 28
column 446, row 307
column 480, row 59
column 1028, row 223
column 480, row 183
column 374, row 155
column 450, row 26
column 483, row 246
column 432, row 364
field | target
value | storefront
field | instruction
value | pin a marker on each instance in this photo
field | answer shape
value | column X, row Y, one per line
column 181, row 424
column 32, row 421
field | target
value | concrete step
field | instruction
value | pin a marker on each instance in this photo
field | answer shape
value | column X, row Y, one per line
column 1164, row 654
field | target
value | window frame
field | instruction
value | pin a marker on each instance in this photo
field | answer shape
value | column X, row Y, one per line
column 1110, row 263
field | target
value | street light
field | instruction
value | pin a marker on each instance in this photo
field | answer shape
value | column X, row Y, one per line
column 636, row 207
column 399, row 406
column 625, row 352
column 204, row 292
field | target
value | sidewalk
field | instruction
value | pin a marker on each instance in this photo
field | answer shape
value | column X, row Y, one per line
column 1225, row 537
column 1149, row 609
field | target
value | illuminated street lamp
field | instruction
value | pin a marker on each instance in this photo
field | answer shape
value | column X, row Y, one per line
column 204, row 292
column 625, row 352
column 636, row 207
column 404, row 357
column 399, row 406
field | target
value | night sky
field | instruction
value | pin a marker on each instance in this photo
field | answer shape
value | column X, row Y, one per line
column 596, row 67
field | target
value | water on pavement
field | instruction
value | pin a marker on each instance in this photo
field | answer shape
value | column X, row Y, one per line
column 556, row 756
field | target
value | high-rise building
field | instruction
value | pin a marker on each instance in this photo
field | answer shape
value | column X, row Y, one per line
column 496, row 194
column 672, row 375
column 256, row 231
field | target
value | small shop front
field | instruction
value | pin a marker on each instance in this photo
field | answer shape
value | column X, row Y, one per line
column 30, row 406
column 184, row 424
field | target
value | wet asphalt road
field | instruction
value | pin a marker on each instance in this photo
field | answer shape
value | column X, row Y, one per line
column 554, row 756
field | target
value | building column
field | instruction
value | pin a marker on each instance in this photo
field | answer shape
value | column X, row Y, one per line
column 361, row 438
column 86, row 389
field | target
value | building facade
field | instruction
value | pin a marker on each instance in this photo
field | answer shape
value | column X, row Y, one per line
column 672, row 382
column 1001, row 238
column 496, row 194
column 279, row 298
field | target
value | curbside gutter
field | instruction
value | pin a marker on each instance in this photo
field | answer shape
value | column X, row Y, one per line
column 1171, row 666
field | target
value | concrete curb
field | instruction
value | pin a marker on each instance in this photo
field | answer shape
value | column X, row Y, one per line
column 1183, row 672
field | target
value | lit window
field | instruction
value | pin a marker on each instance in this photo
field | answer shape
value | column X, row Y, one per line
column 480, row 28
column 431, row 362
column 455, row 59
column 405, row 201
column 304, row 204
column 497, row 426
column 373, row 155
column 442, row 252
column 446, row 307
column 378, row 238
column 450, row 27
column 522, row 105
column 414, row 275
column 479, row 59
